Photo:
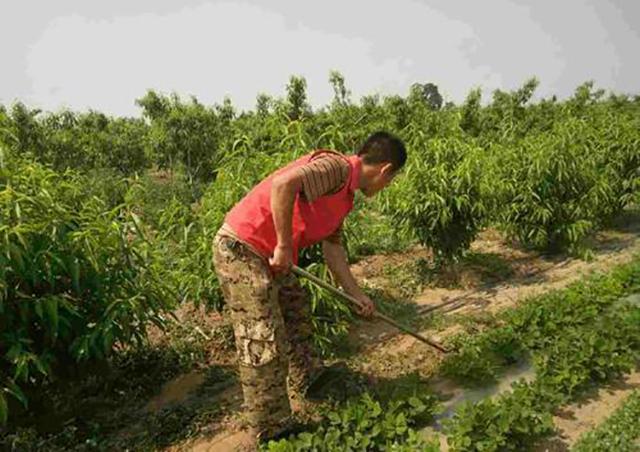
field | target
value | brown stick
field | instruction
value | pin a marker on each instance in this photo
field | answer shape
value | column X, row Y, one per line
column 325, row 285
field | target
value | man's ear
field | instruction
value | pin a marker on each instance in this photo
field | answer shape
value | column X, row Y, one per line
column 387, row 169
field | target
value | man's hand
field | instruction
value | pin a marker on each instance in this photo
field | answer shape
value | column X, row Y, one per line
column 365, row 307
column 282, row 259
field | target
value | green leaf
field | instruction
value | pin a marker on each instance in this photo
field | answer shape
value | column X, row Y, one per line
column 75, row 275
column 416, row 402
column 51, row 307
column 15, row 391
column 4, row 409
column 38, row 309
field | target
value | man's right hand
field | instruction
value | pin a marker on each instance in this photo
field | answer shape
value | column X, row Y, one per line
column 282, row 259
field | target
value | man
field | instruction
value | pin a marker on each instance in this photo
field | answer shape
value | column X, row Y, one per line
column 299, row 205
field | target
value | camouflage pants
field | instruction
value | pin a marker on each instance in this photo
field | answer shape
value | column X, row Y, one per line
column 271, row 327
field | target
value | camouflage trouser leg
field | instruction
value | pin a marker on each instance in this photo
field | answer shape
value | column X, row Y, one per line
column 261, row 343
column 295, row 304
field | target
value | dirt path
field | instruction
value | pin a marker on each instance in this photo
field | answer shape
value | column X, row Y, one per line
column 176, row 390
column 385, row 352
column 223, row 442
column 578, row 418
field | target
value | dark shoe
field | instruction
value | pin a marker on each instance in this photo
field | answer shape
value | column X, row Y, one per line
column 324, row 379
column 283, row 430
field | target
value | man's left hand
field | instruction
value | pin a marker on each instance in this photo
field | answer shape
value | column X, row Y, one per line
column 365, row 307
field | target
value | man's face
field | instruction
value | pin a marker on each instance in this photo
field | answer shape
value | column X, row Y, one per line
column 380, row 178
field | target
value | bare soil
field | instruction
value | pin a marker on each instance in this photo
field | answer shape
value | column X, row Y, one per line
column 176, row 390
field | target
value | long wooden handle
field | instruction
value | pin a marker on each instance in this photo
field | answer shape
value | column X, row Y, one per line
column 325, row 285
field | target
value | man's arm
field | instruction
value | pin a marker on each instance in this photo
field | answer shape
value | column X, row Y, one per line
column 324, row 174
column 336, row 258
column 283, row 194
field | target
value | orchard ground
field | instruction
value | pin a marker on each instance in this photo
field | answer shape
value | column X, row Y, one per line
column 180, row 393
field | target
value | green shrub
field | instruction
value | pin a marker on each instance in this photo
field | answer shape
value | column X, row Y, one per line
column 558, row 188
column 76, row 278
column 442, row 196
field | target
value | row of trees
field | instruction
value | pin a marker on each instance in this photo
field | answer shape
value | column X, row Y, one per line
column 174, row 133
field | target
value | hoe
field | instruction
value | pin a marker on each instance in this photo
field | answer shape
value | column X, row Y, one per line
column 300, row 272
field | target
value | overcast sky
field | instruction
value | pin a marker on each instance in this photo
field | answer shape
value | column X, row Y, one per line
column 104, row 54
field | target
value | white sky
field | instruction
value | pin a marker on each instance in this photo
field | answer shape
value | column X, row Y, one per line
column 104, row 54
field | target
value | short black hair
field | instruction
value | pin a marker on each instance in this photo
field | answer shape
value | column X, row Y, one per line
column 383, row 147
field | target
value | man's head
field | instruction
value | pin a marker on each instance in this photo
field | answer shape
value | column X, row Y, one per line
column 383, row 155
